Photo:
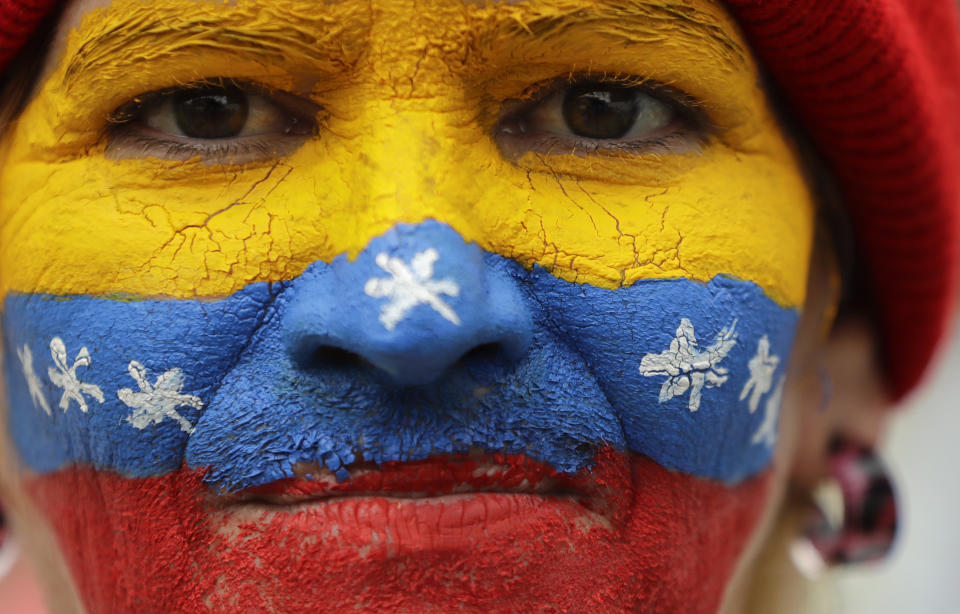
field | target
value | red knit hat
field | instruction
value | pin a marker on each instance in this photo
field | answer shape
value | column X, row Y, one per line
column 876, row 84
column 18, row 19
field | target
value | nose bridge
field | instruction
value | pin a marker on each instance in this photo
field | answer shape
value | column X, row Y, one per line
column 409, row 121
column 403, row 147
column 414, row 113
column 410, row 306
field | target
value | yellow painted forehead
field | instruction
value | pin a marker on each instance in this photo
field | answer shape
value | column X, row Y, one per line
column 411, row 48
column 411, row 93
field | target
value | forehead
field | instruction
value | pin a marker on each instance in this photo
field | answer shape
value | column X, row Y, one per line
column 633, row 20
column 77, row 9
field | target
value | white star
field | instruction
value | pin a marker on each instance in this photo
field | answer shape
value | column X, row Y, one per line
column 767, row 433
column 762, row 367
column 66, row 377
column 34, row 384
column 156, row 402
column 687, row 367
column 409, row 286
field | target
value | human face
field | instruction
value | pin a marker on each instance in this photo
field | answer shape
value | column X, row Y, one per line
column 397, row 307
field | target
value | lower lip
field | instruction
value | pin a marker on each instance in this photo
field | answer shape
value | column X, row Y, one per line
column 397, row 525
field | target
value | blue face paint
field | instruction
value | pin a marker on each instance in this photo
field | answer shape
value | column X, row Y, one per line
column 423, row 345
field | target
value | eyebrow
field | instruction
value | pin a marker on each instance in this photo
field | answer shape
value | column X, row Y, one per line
column 632, row 21
column 330, row 35
column 138, row 32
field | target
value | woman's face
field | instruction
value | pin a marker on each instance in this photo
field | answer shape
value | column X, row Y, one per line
column 400, row 306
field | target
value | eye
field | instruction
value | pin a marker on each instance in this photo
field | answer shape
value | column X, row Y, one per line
column 208, row 112
column 599, row 111
column 590, row 116
column 219, row 120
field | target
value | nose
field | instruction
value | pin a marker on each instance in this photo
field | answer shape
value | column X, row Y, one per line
column 415, row 302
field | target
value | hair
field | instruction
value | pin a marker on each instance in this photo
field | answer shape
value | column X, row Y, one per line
column 20, row 77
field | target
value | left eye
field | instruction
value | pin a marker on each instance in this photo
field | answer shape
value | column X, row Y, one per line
column 593, row 115
column 221, row 120
column 208, row 112
column 599, row 111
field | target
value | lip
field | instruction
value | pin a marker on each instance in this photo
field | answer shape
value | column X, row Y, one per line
column 430, row 478
column 453, row 501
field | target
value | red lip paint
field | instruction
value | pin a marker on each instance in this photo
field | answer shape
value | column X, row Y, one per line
column 624, row 536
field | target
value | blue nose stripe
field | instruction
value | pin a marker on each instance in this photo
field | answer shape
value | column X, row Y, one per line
column 412, row 305
column 353, row 358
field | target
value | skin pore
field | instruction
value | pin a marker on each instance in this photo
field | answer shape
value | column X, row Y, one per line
column 373, row 127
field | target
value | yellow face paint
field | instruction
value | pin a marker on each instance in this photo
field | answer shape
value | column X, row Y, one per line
column 134, row 410
column 410, row 101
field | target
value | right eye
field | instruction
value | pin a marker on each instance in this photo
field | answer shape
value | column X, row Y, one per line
column 222, row 121
column 604, row 111
column 208, row 112
column 588, row 116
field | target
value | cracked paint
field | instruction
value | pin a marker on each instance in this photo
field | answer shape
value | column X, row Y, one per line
column 185, row 229
column 240, row 287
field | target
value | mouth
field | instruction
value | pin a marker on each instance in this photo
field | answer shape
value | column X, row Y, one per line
column 432, row 478
column 468, row 496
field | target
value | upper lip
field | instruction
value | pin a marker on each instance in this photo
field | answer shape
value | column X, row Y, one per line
column 432, row 477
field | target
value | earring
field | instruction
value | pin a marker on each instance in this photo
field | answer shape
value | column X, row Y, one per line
column 854, row 519
column 9, row 551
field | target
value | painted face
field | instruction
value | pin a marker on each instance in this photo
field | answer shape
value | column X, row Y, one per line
column 381, row 307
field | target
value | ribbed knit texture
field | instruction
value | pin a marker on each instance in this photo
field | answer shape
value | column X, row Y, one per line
column 18, row 19
column 876, row 83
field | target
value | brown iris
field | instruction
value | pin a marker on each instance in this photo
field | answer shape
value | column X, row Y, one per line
column 211, row 111
column 600, row 111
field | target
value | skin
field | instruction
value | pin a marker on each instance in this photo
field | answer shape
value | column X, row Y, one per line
column 408, row 105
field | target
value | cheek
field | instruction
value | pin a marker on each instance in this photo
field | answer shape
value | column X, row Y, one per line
column 686, row 373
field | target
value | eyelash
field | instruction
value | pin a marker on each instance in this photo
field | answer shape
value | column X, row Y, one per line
column 678, row 142
column 130, row 136
column 692, row 130
column 148, row 145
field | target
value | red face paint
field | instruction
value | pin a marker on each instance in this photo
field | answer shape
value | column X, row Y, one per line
column 625, row 536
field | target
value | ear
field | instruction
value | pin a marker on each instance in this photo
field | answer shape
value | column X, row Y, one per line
column 838, row 382
column 854, row 404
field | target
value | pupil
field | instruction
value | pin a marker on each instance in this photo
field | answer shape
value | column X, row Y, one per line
column 599, row 111
column 211, row 111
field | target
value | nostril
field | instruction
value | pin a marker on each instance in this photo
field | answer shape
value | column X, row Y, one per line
column 332, row 357
column 484, row 354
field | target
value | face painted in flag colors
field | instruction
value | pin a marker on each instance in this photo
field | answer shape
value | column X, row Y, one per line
column 487, row 307
column 436, row 323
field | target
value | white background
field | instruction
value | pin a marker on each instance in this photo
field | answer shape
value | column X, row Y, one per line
column 923, row 452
